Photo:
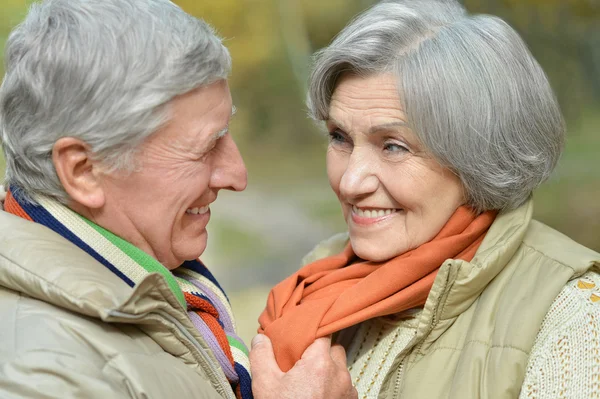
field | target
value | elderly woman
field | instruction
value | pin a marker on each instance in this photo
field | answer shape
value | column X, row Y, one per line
column 441, row 125
column 114, row 123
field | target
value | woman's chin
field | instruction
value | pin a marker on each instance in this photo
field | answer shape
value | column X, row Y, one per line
column 375, row 250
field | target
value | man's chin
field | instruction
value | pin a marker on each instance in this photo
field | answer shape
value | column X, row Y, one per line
column 198, row 248
column 192, row 250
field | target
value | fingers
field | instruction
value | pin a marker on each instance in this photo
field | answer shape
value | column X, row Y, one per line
column 323, row 347
column 320, row 347
column 326, row 365
column 262, row 358
column 338, row 355
column 321, row 373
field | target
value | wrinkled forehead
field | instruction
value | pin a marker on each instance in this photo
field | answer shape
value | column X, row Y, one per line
column 366, row 101
column 198, row 118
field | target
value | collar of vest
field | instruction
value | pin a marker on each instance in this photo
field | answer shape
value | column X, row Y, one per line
column 459, row 283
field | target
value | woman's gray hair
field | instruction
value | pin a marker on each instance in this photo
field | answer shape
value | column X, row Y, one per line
column 471, row 90
column 102, row 71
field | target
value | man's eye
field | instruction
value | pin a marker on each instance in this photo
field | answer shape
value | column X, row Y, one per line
column 336, row 137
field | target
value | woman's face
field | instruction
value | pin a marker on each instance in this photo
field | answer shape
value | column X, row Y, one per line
column 394, row 195
column 163, row 208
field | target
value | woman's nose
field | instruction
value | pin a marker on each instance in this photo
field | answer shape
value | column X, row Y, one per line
column 359, row 178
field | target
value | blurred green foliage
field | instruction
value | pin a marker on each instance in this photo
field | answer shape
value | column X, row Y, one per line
column 271, row 42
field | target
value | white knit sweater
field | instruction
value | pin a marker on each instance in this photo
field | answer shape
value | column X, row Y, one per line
column 564, row 361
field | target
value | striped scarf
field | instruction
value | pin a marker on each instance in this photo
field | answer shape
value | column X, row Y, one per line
column 192, row 283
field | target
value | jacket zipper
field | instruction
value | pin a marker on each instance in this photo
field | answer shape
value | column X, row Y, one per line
column 398, row 379
column 213, row 372
column 417, row 346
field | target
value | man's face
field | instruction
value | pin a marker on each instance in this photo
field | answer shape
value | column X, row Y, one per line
column 163, row 208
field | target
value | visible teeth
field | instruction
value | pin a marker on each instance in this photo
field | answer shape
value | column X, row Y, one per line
column 198, row 211
column 372, row 213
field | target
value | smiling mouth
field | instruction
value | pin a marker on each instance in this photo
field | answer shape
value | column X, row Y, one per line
column 373, row 213
column 198, row 211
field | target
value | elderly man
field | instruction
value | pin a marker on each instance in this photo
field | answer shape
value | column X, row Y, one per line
column 114, row 123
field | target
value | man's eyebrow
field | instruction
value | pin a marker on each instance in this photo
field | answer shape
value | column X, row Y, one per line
column 338, row 124
column 220, row 133
column 225, row 130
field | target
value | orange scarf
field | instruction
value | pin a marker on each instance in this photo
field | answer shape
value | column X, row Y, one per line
column 340, row 291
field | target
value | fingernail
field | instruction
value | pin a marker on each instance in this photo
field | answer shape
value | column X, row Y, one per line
column 257, row 340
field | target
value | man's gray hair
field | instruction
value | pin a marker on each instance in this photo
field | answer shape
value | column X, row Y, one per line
column 102, row 71
column 471, row 90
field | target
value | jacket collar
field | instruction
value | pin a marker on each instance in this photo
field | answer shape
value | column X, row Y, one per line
column 41, row 264
column 469, row 279
column 459, row 283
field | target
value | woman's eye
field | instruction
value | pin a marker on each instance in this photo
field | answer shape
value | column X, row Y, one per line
column 394, row 147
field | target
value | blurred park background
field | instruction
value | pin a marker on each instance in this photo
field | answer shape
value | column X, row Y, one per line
column 258, row 237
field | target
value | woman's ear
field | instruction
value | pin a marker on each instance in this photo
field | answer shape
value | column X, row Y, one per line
column 79, row 174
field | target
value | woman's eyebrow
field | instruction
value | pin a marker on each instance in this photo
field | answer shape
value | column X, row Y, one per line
column 372, row 129
column 387, row 126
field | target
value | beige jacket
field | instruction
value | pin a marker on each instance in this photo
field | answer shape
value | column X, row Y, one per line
column 481, row 319
column 70, row 328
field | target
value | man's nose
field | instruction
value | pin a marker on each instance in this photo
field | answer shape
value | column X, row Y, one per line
column 229, row 171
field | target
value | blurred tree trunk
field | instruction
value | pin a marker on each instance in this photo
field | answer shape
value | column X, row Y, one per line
column 591, row 60
column 296, row 41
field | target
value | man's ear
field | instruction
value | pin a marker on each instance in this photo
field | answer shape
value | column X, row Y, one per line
column 78, row 173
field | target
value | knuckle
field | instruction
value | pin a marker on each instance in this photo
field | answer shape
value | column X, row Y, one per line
column 254, row 352
column 258, row 346
column 339, row 350
column 321, row 366
column 345, row 379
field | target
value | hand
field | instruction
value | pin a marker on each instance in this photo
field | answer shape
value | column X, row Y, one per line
column 320, row 374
